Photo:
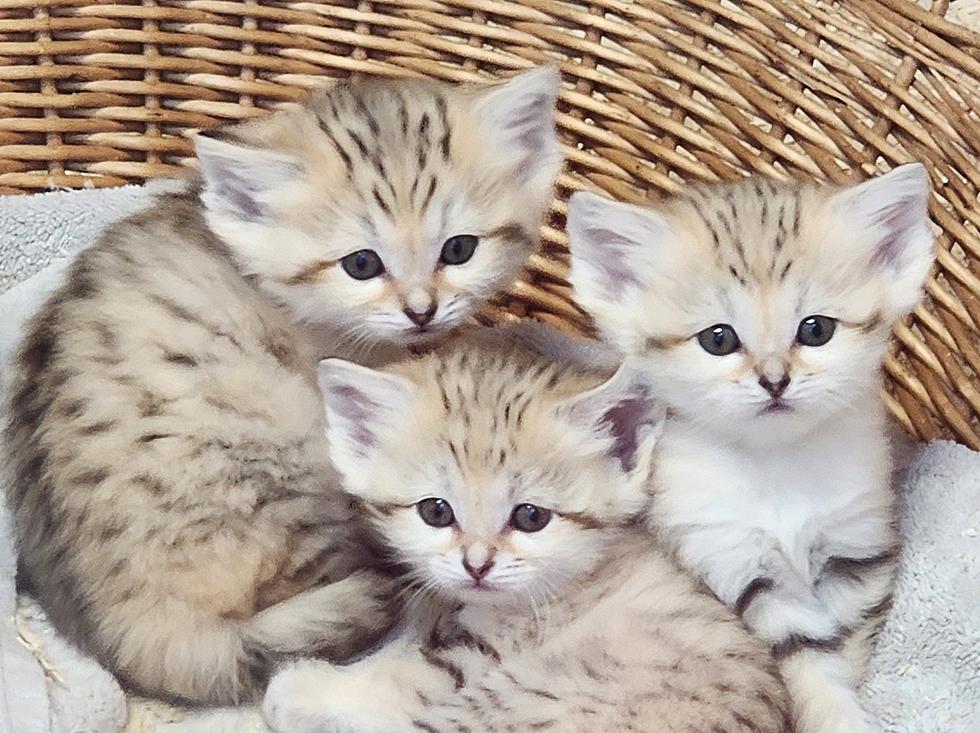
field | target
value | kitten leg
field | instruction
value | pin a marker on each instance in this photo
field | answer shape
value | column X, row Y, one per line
column 823, row 667
column 822, row 692
column 379, row 694
column 339, row 619
column 858, row 591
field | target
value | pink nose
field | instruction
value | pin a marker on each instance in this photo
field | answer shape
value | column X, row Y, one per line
column 479, row 573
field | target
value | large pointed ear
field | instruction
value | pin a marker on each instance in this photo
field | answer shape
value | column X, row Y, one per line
column 362, row 406
column 613, row 245
column 889, row 217
column 518, row 119
column 239, row 179
column 624, row 415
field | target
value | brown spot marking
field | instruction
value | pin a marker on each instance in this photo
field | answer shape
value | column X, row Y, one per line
column 151, row 437
column 98, row 427
column 870, row 324
column 153, row 484
column 91, row 478
column 184, row 360
column 73, row 409
column 586, row 521
column 150, row 405
column 652, row 343
column 310, row 273
column 512, row 232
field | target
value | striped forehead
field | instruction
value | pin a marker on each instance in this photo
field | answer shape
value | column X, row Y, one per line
column 752, row 229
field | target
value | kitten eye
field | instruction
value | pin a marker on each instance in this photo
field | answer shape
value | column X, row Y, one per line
column 436, row 512
column 816, row 330
column 363, row 264
column 719, row 340
column 459, row 249
column 530, row 518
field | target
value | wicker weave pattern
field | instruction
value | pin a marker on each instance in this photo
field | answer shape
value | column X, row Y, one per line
column 100, row 93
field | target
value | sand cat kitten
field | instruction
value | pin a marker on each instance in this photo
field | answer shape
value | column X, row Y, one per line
column 761, row 311
column 510, row 486
column 176, row 511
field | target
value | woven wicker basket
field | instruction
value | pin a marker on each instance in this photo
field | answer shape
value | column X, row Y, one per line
column 101, row 93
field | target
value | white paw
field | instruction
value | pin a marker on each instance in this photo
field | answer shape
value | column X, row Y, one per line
column 316, row 697
column 295, row 702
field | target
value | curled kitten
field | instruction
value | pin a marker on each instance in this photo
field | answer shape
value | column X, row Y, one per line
column 761, row 312
column 175, row 508
column 510, row 486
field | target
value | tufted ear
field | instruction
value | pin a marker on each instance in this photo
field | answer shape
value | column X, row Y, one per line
column 362, row 406
column 238, row 179
column 517, row 118
column 624, row 414
column 889, row 219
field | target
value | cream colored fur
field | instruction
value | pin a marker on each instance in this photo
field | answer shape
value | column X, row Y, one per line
column 582, row 625
column 176, row 511
column 781, row 504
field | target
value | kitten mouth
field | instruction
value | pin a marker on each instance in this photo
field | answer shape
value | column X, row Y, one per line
column 776, row 407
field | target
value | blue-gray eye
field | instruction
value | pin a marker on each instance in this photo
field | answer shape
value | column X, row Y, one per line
column 816, row 330
column 719, row 340
column 436, row 512
column 530, row 518
column 363, row 264
column 459, row 249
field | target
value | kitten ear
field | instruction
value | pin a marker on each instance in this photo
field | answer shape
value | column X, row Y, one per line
column 361, row 406
column 237, row 178
column 625, row 414
column 612, row 245
column 890, row 218
column 518, row 118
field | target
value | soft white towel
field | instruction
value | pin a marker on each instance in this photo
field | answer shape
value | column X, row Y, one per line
column 925, row 673
column 926, row 669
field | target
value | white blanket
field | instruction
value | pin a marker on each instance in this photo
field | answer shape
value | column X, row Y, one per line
column 925, row 674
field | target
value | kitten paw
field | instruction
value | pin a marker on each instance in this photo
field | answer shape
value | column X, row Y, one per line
column 315, row 697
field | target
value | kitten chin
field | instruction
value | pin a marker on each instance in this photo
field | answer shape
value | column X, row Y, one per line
column 387, row 211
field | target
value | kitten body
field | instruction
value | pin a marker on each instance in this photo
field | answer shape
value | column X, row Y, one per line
column 176, row 511
column 761, row 313
column 563, row 617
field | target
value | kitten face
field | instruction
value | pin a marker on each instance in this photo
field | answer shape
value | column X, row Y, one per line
column 388, row 210
column 760, row 310
column 496, row 479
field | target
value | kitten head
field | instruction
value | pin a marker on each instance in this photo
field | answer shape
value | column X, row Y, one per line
column 388, row 210
column 759, row 309
column 495, row 477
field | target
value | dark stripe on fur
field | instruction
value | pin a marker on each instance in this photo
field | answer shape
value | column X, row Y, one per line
column 796, row 644
column 751, row 592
